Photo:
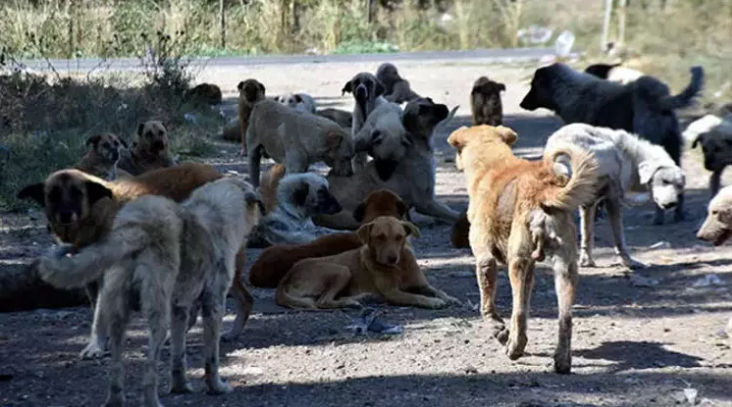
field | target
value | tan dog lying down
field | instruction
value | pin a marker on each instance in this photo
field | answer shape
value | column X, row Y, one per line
column 521, row 211
column 346, row 279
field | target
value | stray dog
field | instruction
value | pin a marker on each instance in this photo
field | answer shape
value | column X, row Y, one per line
column 232, row 130
column 717, row 227
column 205, row 93
column 368, row 95
column 412, row 178
column 348, row 278
column 275, row 261
column 614, row 73
column 396, row 88
column 299, row 101
column 716, row 144
column 102, row 158
column 342, row 117
column 383, row 136
column 644, row 107
column 625, row 163
column 299, row 198
column 149, row 151
column 251, row 91
column 173, row 256
column 485, row 102
column 296, row 139
column 80, row 211
column 520, row 212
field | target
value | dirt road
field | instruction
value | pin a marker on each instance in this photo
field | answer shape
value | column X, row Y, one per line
column 637, row 342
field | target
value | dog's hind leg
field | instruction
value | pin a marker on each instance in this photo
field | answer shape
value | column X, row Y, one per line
column 212, row 307
column 254, row 158
column 113, row 308
column 179, row 320
column 98, row 337
column 587, row 223
column 338, row 278
column 565, row 280
column 486, row 272
column 615, row 215
column 242, row 297
column 521, row 274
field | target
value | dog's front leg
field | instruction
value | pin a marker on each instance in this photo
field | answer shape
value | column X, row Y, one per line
column 587, row 223
column 254, row 157
column 565, row 280
column 615, row 214
column 432, row 207
column 98, row 338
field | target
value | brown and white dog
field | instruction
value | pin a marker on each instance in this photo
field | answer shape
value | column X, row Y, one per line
column 102, row 158
column 150, row 150
column 520, row 212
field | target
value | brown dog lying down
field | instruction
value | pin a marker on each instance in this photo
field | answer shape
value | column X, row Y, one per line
column 276, row 261
column 81, row 208
column 150, row 150
column 521, row 211
column 348, row 278
column 103, row 156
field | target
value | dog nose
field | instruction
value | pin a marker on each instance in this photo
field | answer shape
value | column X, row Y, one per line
column 66, row 217
column 159, row 145
column 392, row 259
column 669, row 205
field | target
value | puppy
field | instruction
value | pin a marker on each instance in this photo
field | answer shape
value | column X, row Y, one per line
column 172, row 256
column 346, row 279
column 717, row 227
column 342, row 117
column 412, row 177
column 299, row 101
column 299, row 198
column 383, row 136
column 296, row 139
column 644, row 107
column 275, row 261
column 485, row 102
column 102, row 158
column 251, row 91
column 716, row 144
column 626, row 163
column 396, row 88
column 368, row 95
column 205, row 93
column 80, row 211
column 614, row 73
column 521, row 211
column 150, row 151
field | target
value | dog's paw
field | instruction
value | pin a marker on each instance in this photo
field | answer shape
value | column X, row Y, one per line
column 453, row 301
column 92, row 351
column 515, row 346
column 218, row 386
column 435, row 303
column 587, row 261
column 562, row 365
column 181, row 387
column 632, row 264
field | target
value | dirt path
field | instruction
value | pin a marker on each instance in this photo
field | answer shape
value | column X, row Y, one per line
column 633, row 346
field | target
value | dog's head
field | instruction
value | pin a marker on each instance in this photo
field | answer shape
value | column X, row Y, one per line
column 665, row 181
column 422, row 115
column 388, row 75
column 486, row 97
column 67, row 197
column 385, row 139
column 717, row 226
column 309, row 193
column 106, row 146
column 717, row 149
column 339, row 150
column 385, row 237
column 487, row 88
column 381, row 202
column 364, row 87
column 544, row 87
column 291, row 100
column 152, row 137
column 205, row 93
column 479, row 138
column 251, row 91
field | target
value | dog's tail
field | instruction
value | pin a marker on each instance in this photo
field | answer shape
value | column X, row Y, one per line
column 579, row 167
column 685, row 98
column 268, row 186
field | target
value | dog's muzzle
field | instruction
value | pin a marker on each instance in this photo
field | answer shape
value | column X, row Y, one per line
column 67, row 217
column 158, row 146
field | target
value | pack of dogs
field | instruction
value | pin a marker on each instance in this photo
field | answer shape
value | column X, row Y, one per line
column 142, row 232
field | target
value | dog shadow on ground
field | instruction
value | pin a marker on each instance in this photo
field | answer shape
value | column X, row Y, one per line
column 639, row 356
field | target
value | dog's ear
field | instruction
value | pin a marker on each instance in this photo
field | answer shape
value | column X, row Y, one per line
column 140, row 128
column 411, row 229
column 364, row 232
column 698, row 139
column 261, row 88
column 359, row 212
column 507, row 134
column 500, row 86
column 348, row 87
column 379, row 88
column 457, row 138
column 35, row 192
column 646, row 169
column 96, row 191
column 93, row 140
column 240, row 86
column 300, row 194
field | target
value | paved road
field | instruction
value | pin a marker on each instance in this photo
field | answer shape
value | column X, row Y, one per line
column 495, row 55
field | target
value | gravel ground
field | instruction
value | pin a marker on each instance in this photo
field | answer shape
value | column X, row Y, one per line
column 638, row 341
